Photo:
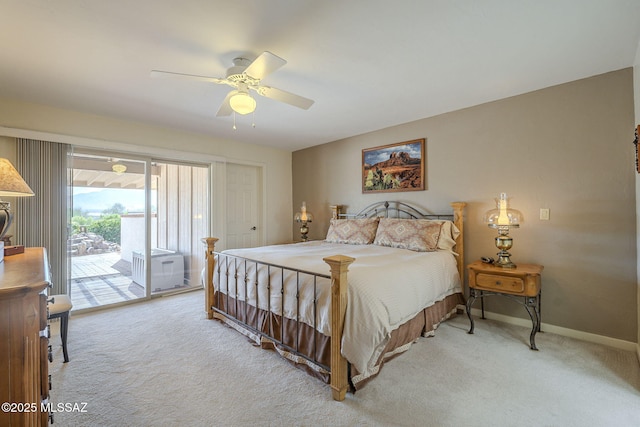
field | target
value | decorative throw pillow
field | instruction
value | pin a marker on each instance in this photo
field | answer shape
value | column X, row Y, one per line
column 419, row 235
column 359, row 231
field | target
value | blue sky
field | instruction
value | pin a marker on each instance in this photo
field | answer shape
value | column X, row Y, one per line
column 373, row 157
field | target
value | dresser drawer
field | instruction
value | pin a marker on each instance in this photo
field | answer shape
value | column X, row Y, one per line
column 500, row 283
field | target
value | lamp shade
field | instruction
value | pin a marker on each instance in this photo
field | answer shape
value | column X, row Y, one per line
column 11, row 183
column 242, row 103
column 503, row 215
column 303, row 215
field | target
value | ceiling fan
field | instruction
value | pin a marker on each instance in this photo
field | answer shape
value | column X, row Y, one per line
column 246, row 75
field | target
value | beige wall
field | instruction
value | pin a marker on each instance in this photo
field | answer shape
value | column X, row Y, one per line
column 567, row 148
column 85, row 129
column 7, row 148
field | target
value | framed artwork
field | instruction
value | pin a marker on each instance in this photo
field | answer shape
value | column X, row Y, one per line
column 394, row 167
column 635, row 142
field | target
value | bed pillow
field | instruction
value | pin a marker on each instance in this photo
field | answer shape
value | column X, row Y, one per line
column 419, row 235
column 448, row 235
column 359, row 231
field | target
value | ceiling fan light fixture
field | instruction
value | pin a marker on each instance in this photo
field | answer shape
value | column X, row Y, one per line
column 119, row 168
column 242, row 103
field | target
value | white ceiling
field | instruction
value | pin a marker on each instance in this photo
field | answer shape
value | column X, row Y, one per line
column 368, row 64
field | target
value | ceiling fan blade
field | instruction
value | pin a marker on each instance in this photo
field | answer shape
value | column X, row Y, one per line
column 170, row 74
column 225, row 108
column 264, row 65
column 286, row 97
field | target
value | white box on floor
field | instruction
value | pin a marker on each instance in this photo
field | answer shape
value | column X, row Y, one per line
column 167, row 269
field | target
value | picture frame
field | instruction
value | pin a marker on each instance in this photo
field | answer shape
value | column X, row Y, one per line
column 394, row 167
column 636, row 142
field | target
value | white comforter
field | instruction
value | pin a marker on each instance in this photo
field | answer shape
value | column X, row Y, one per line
column 386, row 287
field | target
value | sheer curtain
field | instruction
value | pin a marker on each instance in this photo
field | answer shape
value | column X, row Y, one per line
column 42, row 220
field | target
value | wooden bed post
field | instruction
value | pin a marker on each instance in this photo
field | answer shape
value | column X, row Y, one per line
column 339, row 376
column 458, row 220
column 335, row 211
column 209, row 292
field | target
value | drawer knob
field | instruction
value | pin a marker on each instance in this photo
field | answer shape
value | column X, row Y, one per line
column 498, row 282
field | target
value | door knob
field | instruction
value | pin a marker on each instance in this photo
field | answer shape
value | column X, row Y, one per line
column 253, row 228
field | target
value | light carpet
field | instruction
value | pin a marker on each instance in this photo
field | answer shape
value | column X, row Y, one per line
column 162, row 363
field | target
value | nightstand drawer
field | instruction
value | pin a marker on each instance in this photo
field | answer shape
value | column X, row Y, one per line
column 500, row 283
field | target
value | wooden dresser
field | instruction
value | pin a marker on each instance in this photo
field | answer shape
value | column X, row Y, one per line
column 24, row 339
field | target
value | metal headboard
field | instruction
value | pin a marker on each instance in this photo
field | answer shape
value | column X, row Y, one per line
column 394, row 209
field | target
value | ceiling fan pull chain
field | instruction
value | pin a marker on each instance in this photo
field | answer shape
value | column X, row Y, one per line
column 253, row 119
column 234, row 120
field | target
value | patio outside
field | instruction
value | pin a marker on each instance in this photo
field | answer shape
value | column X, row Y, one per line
column 95, row 281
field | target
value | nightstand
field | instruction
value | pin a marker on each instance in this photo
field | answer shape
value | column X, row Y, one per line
column 521, row 284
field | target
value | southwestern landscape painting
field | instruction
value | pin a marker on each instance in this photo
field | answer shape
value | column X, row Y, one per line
column 393, row 167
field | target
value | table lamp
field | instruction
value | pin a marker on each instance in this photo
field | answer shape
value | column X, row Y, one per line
column 303, row 217
column 11, row 185
column 503, row 218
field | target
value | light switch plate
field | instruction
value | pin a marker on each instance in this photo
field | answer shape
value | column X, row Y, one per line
column 544, row 214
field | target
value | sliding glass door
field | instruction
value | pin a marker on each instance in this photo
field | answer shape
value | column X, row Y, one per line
column 135, row 228
column 107, row 226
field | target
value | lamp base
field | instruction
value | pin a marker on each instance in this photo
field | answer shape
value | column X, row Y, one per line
column 13, row 250
column 504, row 261
column 304, row 231
column 504, row 243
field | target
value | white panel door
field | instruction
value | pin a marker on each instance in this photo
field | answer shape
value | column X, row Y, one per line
column 243, row 205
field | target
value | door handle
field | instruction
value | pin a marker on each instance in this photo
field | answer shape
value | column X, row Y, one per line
column 253, row 228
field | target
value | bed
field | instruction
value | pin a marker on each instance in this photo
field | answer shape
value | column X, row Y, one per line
column 341, row 307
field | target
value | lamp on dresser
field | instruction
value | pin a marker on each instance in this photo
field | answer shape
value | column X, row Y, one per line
column 11, row 185
column 503, row 218
column 304, row 218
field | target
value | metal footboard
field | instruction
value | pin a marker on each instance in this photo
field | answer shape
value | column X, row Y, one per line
column 242, row 296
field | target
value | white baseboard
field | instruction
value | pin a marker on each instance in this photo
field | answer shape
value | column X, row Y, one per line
column 565, row 332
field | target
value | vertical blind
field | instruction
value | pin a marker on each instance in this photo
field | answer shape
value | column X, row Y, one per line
column 42, row 220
